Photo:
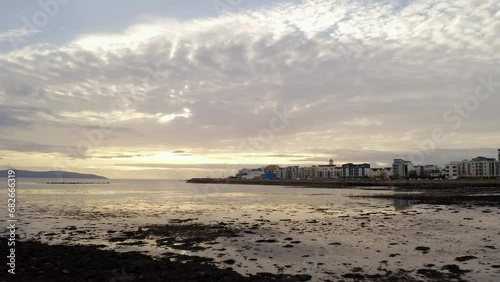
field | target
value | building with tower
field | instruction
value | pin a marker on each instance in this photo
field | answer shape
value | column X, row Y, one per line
column 327, row 171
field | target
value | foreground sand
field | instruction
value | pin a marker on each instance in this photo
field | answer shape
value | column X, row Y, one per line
column 39, row 262
column 348, row 235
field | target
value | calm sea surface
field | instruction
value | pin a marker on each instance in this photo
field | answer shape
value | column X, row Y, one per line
column 335, row 232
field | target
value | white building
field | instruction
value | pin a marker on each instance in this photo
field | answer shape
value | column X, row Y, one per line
column 310, row 172
column 339, row 172
column 425, row 171
column 283, row 173
column 326, row 171
column 246, row 173
column 291, row 172
column 355, row 170
column 477, row 167
column 401, row 168
column 456, row 169
column 301, row 173
column 451, row 171
column 482, row 166
column 387, row 171
column 376, row 173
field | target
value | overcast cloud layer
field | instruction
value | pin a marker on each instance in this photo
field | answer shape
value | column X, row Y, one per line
column 357, row 81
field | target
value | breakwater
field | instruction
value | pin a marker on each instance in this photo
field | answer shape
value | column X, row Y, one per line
column 346, row 183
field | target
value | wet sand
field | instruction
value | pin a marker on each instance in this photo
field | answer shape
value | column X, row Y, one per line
column 478, row 196
column 90, row 263
column 343, row 235
column 432, row 243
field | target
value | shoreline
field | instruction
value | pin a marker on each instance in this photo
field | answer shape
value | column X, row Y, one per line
column 349, row 183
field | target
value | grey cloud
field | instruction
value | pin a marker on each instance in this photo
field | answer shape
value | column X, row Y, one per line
column 220, row 166
column 119, row 156
column 26, row 146
column 281, row 156
column 370, row 78
column 24, row 116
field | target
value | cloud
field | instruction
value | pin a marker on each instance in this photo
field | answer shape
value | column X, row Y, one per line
column 120, row 156
column 218, row 166
column 359, row 76
column 27, row 146
column 13, row 34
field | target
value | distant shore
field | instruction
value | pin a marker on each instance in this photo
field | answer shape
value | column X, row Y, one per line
column 72, row 182
column 346, row 183
column 481, row 192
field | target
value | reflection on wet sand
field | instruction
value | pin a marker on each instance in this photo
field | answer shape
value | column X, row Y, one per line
column 400, row 204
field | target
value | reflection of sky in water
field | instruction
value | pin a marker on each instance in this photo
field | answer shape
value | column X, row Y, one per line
column 152, row 195
column 401, row 204
column 367, row 230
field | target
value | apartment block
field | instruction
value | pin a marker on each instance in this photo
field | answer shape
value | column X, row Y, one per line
column 290, row 172
column 327, row 171
column 482, row 166
column 477, row 167
column 355, row 170
column 310, row 172
column 401, row 168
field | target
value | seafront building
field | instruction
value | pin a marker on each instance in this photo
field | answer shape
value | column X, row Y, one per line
column 376, row 173
column 246, row 173
column 355, row 170
column 401, row 168
column 387, row 171
column 290, row 172
column 477, row 167
column 332, row 171
column 482, row 166
column 339, row 172
column 327, row 171
column 301, row 173
column 310, row 172
column 273, row 169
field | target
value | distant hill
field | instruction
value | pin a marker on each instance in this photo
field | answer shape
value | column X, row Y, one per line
column 50, row 174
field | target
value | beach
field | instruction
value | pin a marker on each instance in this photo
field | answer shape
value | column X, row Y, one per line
column 225, row 232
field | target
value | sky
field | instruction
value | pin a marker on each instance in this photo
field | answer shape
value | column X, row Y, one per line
column 179, row 89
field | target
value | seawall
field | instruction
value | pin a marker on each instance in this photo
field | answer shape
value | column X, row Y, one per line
column 345, row 183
